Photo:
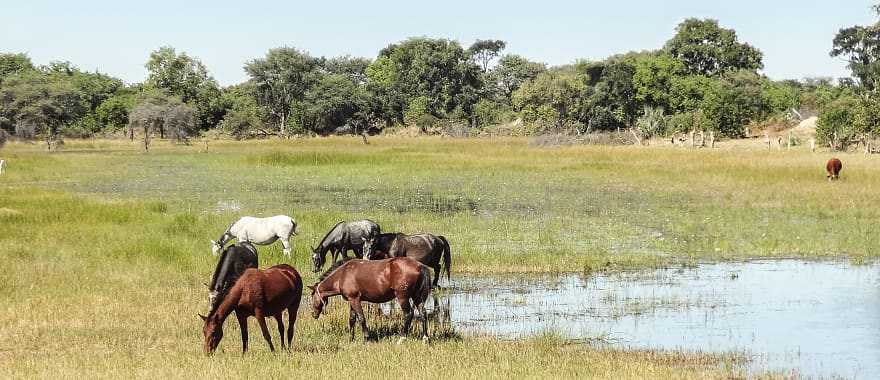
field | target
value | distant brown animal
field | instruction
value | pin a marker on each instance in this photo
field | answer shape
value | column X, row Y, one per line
column 258, row 293
column 833, row 168
column 377, row 281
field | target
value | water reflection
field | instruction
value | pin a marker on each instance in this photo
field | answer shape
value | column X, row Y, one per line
column 822, row 319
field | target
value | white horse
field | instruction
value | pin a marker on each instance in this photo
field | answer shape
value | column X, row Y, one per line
column 2, row 166
column 262, row 231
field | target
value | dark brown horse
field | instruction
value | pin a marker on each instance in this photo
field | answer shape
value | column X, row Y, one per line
column 258, row 293
column 401, row 278
column 425, row 248
column 833, row 168
column 378, row 248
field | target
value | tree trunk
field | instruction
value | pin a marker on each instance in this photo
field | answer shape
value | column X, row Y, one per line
column 282, row 124
column 146, row 139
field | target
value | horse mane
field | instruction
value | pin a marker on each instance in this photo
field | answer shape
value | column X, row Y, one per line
column 220, row 263
column 333, row 268
column 328, row 233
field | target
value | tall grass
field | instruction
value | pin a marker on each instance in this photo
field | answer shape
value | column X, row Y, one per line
column 106, row 248
column 97, row 289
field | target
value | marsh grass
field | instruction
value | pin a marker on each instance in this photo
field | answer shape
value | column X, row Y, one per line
column 106, row 248
column 97, row 289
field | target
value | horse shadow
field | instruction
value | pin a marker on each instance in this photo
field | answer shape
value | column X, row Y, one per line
column 387, row 319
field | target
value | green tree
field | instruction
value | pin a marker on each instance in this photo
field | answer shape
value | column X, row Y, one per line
column 653, row 78
column 555, row 95
column 437, row 69
column 841, row 122
column 31, row 104
column 280, row 79
column 244, row 118
column 12, row 63
column 113, row 112
column 512, row 71
column 707, row 49
column 860, row 46
column 95, row 87
column 484, row 51
column 336, row 101
column 609, row 98
column 355, row 68
column 187, row 78
column 733, row 103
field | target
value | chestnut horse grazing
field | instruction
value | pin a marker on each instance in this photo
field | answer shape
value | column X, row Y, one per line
column 377, row 281
column 833, row 168
column 258, row 293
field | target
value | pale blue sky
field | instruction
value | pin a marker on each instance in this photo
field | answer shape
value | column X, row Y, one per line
column 116, row 37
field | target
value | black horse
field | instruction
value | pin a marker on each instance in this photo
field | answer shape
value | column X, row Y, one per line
column 425, row 248
column 344, row 236
column 234, row 260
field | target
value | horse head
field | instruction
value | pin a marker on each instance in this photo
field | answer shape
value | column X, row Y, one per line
column 318, row 302
column 317, row 260
column 213, row 332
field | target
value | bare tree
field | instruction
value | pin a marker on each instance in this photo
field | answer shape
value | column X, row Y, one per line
column 180, row 121
column 148, row 117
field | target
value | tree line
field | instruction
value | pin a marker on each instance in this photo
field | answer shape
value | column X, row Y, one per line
column 703, row 78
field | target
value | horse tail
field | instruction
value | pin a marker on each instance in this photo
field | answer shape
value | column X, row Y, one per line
column 424, row 289
column 447, row 257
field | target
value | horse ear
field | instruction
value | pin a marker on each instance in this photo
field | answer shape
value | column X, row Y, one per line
column 312, row 288
column 204, row 318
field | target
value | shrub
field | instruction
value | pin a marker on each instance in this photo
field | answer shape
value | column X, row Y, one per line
column 652, row 122
column 840, row 122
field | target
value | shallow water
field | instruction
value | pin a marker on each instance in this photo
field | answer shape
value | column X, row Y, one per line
column 813, row 319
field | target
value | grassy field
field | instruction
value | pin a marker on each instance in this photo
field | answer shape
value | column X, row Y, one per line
column 105, row 248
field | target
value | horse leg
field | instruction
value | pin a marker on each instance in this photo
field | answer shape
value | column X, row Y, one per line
column 242, row 324
column 286, row 244
column 291, row 320
column 436, row 268
column 356, row 305
column 262, row 321
column 352, row 319
column 424, row 316
column 280, row 324
column 408, row 315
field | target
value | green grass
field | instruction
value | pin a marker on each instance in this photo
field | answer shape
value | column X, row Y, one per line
column 106, row 248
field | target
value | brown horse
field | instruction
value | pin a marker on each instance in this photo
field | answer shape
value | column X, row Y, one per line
column 425, row 248
column 378, row 281
column 833, row 168
column 258, row 293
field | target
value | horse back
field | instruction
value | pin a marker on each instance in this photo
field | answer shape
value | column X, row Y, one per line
column 833, row 166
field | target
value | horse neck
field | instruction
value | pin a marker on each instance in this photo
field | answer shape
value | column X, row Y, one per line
column 221, row 270
column 329, row 286
column 323, row 245
column 228, row 304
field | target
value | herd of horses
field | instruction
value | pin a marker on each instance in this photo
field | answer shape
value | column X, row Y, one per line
column 385, row 267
